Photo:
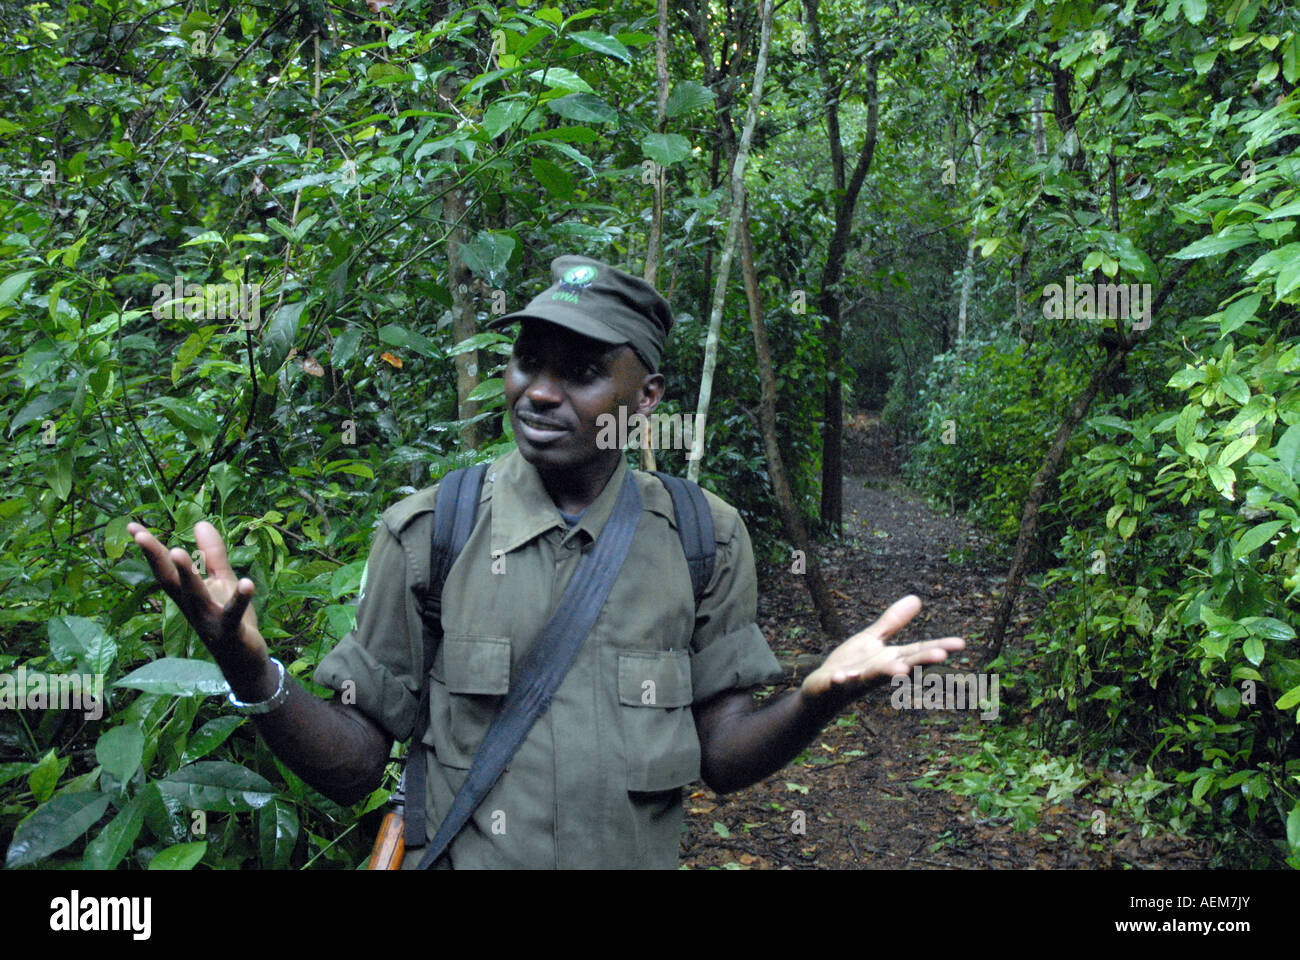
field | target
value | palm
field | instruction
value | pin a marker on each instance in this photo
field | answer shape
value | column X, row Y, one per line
column 218, row 608
column 865, row 655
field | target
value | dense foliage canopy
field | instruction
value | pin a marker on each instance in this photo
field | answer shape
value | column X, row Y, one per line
column 926, row 183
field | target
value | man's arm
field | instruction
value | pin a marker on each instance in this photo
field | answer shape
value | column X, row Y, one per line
column 741, row 743
column 334, row 747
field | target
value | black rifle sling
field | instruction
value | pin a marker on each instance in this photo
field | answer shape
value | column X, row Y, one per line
column 453, row 520
column 546, row 664
column 455, row 510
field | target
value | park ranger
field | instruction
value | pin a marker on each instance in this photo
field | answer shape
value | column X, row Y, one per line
column 661, row 690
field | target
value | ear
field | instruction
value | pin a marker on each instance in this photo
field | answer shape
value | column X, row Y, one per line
column 650, row 393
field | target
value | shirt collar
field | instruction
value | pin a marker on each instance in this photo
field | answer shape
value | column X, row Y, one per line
column 523, row 510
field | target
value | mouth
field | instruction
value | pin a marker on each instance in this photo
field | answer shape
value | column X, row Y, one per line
column 539, row 429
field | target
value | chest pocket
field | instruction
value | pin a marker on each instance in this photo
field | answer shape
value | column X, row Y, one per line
column 470, row 677
column 660, row 740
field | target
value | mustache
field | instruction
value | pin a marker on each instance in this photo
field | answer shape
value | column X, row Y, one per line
column 544, row 423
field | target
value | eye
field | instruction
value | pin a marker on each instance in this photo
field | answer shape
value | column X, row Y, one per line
column 585, row 372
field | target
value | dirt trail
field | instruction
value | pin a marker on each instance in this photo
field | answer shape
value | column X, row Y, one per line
column 852, row 791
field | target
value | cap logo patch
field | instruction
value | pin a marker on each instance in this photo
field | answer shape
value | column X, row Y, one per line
column 574, row 282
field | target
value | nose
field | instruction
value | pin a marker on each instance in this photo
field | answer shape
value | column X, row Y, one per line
column 544, row 389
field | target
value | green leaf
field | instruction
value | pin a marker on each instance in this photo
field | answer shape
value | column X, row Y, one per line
column 503, row 115
column 204, row 239
column 397, row 336
column 114, row 842
column 687, row 95
column 1289, row 699
column 1256, row 537
column 217, row 785
column 345, row 346
column 208, row 737
column 38, row 408
column 1203, row 62
column 177, row 676
column 1185, row 431
column 182, row 414
column 280, row 334
column 13, row 286
column 120, row 750
column 487, row 390
column 488, row 255
column 1237, row 449
column 1230, row 238
column 584, row 108
column 666, row 149
column 1202, row 785
column 1239, row 312
column 557, row 181
column 190, row 349
column 44, row 777
column 477, row 342
column 180, row 856
column 1291, row 61
column 277, row 833
column 69, row 636
column 1254, row 650
column 602, row 43
column 560, row 78
column 1194, row 10
column 1223, row 478
column 54, row 825
column 1287, row 450
column 721, row 830
column 1293, row 828
column 1288, row 278
column 1236, row 389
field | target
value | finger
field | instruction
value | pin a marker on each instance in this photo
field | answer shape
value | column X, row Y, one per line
column 896, row 617
column 233, row 612
column 196, row 594
column 159, row 560
column 930, row 651
column 214, row 550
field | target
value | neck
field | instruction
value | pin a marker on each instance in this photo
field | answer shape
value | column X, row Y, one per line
column 574, row 490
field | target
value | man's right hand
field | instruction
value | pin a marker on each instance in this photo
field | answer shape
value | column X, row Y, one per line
column 218, row 608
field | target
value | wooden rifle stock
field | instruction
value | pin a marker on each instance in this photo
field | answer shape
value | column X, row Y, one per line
column 390, row 844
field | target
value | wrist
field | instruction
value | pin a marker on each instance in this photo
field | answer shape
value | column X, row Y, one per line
column 258, row 684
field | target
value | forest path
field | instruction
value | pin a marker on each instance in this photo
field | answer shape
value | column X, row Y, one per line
column 852, row 790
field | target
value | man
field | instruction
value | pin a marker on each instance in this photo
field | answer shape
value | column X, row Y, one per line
column 661, row 691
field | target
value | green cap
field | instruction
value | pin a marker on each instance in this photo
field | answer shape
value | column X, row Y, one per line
column 602, row 302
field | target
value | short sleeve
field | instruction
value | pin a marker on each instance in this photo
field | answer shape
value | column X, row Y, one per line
column 375, row 665
column 728, row 651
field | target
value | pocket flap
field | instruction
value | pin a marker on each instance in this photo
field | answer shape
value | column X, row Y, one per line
column 654, row 679
column 477, row 665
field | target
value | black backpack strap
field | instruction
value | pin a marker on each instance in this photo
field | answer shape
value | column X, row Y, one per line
column 453, row 521
column 694, row 527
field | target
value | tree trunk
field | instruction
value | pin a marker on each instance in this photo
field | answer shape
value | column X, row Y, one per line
column 729, row 246
column 464, row 320
column 832, row 505
column 1052, row 466
column 790, row 521
column 968, row 271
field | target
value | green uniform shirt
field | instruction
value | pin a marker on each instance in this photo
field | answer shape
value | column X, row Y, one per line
column 597, row 783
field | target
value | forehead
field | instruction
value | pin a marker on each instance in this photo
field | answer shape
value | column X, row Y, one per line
column 542, row 335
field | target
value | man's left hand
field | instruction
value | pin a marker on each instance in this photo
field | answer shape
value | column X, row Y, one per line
column 864, row 656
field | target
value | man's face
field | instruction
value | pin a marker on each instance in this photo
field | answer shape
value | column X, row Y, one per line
column 557, row 385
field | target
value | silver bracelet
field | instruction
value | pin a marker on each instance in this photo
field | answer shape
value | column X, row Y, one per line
column 274, row 702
